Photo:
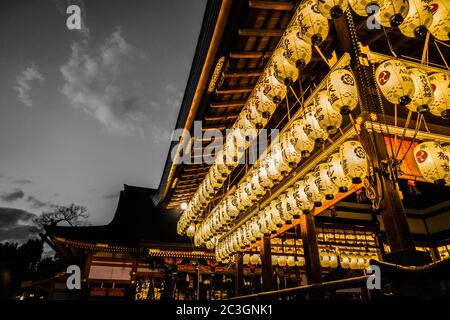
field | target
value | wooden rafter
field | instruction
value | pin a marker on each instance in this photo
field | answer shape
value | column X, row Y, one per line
column 271, row 5
column 261, row 32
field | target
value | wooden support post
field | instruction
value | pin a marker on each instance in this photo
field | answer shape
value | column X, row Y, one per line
column 310, row 248
column 266, row 257
column 239, row 273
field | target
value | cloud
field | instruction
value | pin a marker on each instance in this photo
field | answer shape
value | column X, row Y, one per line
column 91, row 83
column 23, row 83
column 111, row 195
column 10, row 196
column 15, row 224
column 36, row 203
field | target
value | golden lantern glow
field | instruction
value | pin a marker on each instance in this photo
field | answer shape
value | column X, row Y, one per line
column 263, row 223
column 353, row 261
column 361, row 261
column 392, row 12
column 301, row 198
column 269, row 220
column 313, row 25
column 282, row 261
column 418, row 19
column 361, row 6
column 432, row 161
column 296, row 50
column 290, row 261
column 291, row 205
column 354, row 160
column 440, row 27
column 289, row 154
column 275, row 214
column 281, row 69
column 312, row 128
column 246, row 258
column 254, row 117
column 440, row 84
column 271, row 169
column 268, row 93
column 324, row 259
column 280, row 162
column 257, row 188
column 344, row 260
column 324, row 182
column 191, row 230
column 249, row 192
column 332, row 9
column 342, row 91
column 283, row 206
column 336, row 173
column 264, row 179
column 447, row 153
column 328, row 118
column 299, row 139
column 312, row 191
column 257, row 234
column 231, row 208
column 334, row 262
column 300, row 261
column 423, row 94
column 241, row 198
column 254, row 259
column 395, row 82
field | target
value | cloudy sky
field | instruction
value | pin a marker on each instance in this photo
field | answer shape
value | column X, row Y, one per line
column 84, row 112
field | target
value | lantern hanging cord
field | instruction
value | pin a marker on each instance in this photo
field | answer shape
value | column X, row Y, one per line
column 413, row 139
column 391, row 48
column 408, row 119
column 442, row 56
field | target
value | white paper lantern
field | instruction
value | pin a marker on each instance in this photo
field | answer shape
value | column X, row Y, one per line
column 255, row 228
column 299, row 139
column 332, row 9
column 417, row 21
column 334, row 262
column 447, row 153
column 254, row 259
column 281, row 69
column 312, row 128
column 246, row 258
column 342, row 91
column 282, row 261
column 290, row 261
column 271, row 169
column 312, row 190
column 313, row 25
column 255, row 181
column 432, row 161
column 275, row 214
column 302, row 200
column 392, row 12
column 361, row 262
column 280, row 162
column 297, row 51
column 329, row 119
column 344, row 260
column 300, row 261
column 290, row 155
column 264, row 179
column 353, row 261
column 230, row 207
column 336, row 173
column 324, row 259
column 423, row 94
column 440, row 27
column 285, row 209
column 269, row 92
column 292, row 206
column 191, row 230
column 254, row 117
column 440, row 84
column 354, row 160
column 210, row 244
column 395, row 82
column 361, row 7
column 269, row 220
column 324, row 182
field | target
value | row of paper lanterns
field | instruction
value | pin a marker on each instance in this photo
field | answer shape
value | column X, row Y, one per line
column 330, row 178
column 412, row 17
column 295, row 51
column 414, row 88
column 342, row 169
column 321, row 118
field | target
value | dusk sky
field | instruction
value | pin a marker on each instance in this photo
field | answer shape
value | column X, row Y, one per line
column 84, row 112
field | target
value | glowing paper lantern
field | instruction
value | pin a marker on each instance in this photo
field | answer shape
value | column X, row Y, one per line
column 271, row 169
column 296, row 50
column 312, row 191
column 299, row 139
column 300, row 261
column 329, row 119
column 290, row 261
column 361, row 7
column 313, row 25
column 291, row 205
column 423, row 94
column 191, row 230
column 281, row 68
column 254, row 259
column 395, row 82
column 255, row 181
column 312, row 127
column 324, row 182
column 290, row 155
column 302, row 200
column 272, row 89
column 440, row 27
column 264, row 179
column 344, row 260
column 333, row 260
column 283, row 206
column 254, row 116
column 440, row 84
column 324, row 259
column 280, row 162
column 246, row 258
column 447, row 153
column 361, row 262
column 336, row 173
column 332, row 9
column 282, row 261
column 342, row 91
column 353, row 261
column 392, row 12
column 417, row 21
column 210, row 244
column 354, row 160
column 432, row 161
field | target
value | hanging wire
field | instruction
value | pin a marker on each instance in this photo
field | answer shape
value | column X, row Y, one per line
column 408, row 119
column 442, row 56
column 416, row 130
column 391, row 48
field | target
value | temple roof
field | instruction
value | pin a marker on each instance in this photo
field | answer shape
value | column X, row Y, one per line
column 136, row 220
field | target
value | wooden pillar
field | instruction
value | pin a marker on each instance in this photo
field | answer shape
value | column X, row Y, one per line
column 239, row 275
column 266, row 257
column 310, row 248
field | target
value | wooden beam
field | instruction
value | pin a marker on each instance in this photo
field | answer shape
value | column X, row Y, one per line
column 221, row 128
column 234, row 90
column 228, row 104
column 266, row 257
column 271, row 5
column 261, row 32
column 243, row 73
column 220, row 117
column 251, row 54
column 310, row 248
